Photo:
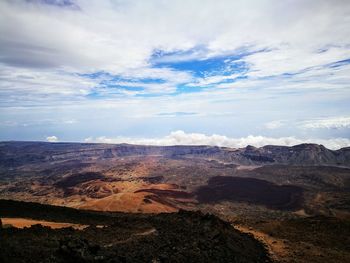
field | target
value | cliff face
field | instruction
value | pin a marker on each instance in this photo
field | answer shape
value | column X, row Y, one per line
column 303, row 154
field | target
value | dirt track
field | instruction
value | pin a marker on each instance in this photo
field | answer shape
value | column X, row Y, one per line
column 23, row 222
column 277, row 248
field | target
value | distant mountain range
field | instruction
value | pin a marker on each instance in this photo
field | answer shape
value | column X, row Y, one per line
column 14, row 153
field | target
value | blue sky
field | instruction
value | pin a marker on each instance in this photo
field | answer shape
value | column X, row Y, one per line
column 224, row 73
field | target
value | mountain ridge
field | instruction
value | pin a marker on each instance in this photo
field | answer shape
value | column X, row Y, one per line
column 301, row 154
column 174, row 145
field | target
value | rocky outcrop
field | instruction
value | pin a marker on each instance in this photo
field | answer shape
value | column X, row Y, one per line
column 302, row 154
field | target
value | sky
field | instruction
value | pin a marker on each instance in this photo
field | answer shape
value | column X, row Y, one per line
column 227, row 73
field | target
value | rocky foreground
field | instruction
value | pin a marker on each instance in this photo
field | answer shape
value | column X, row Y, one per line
column 119, row 237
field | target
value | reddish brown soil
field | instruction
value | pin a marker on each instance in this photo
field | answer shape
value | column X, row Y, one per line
column 167, row 193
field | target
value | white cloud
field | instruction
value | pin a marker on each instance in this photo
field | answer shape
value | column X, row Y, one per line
column 117, row 36
column 182, row 138
column 327, row 123
column 286, row 59
column 70, row 121
column 120, row 38
column 274, row 124
column 211, row 80
column 52, row 139
column 22, row 85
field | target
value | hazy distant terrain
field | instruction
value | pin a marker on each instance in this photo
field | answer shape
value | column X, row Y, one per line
column 134, row 178
column 162, row 179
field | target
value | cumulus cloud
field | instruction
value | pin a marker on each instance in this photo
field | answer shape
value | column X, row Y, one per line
column 182, row 138
column 52, row 139
column 327, row 123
